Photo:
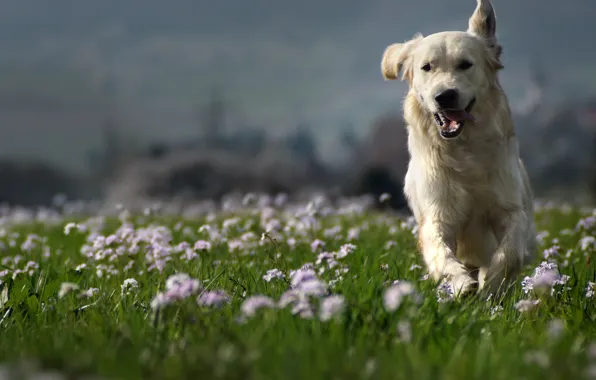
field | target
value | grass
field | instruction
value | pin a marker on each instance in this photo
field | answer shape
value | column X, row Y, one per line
column 119, row 335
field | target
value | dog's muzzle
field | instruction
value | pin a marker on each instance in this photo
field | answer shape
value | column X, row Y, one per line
column 451, row 121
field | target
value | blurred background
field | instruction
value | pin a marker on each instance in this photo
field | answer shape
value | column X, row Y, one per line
column 123, row 100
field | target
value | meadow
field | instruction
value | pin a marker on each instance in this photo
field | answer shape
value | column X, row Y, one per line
column 263, row 288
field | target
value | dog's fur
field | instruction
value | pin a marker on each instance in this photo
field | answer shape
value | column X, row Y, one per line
column 470, row 195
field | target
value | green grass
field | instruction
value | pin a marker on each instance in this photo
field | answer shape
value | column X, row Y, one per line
column 121, row 336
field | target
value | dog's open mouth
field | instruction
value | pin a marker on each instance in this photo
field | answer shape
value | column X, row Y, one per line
column 451, row 121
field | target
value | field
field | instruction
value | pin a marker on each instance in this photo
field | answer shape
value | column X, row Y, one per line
column 266, row 289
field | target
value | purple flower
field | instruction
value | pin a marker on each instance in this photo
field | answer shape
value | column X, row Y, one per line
column 273, row 274
column 253, row 304
column 214, row 298
column 345, row 250
column 445, row 292
column 587, row 242
column 301, row 275
column 317, row 245
column 545, row 277
column 331, row 306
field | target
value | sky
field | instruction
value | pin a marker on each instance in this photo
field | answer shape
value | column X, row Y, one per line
column 67, row 66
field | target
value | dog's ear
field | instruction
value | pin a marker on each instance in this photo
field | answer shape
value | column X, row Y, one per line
column 483, row 21
column 395, row 58
column 484, row 24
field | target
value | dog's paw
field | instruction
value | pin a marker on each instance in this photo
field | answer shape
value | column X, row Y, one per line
column 463, row 284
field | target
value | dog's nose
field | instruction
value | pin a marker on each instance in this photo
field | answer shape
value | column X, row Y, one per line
column 447, row 99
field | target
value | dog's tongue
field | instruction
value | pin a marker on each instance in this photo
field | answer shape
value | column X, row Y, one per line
column 457, row 115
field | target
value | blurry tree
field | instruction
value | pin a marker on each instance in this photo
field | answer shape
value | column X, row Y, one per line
column 212, row 118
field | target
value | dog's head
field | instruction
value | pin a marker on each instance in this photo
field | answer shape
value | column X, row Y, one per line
column 449, row 72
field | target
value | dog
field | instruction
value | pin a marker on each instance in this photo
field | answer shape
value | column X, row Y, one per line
column 466, row 184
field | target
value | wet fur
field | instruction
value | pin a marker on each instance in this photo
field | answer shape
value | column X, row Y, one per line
column 470, row 196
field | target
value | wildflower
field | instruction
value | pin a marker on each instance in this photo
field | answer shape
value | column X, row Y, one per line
column 202, row 245
column 313, row 287
column 159, row 301
column 544, row 279
column 587, row 242
column 176, row 280
column 89, row 293
column 590, row 289
column 273, row 274
column 66, row 288
column 317, row 245
column 129, row 285
column 299, row 302
column 395, row 295
column 254, row 303
column 525, row 306
column 301, row 275
column 345, row 250
column 214, row 298
column 353, row 234
column 551, row 252
column 331, row 306
column 445, row 292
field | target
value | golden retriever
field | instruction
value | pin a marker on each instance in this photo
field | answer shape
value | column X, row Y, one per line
column 466, row 185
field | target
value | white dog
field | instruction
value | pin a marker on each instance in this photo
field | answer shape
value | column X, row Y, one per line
column 465, row 184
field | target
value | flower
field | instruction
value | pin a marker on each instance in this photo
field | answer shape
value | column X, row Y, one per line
column 590, row 289
column 129, row 285
column 395, row 295
column 345, row 250
column 253, row 304
column 544, row 279
column 331, row 306
column 445, row 292
column 317, row 245
column 89, row 292
column 214, row 298
column 525, row 306
column 273, row 274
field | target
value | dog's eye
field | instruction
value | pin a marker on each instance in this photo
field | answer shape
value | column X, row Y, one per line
column 464, row 65
column 426, row 67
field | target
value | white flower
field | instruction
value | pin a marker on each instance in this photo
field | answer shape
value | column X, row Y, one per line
column 525, row 306
column 129, row 285
column 89, row 292
column 273, row 274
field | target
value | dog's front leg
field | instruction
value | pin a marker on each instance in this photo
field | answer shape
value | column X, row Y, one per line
column 508, row 258
column 438, row 245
